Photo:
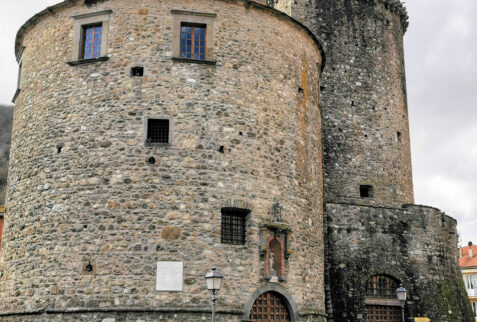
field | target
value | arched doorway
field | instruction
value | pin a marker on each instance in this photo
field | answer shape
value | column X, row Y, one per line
column 270, row 306
column 381, row 299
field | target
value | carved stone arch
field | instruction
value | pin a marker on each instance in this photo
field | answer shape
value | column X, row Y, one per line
column 289, row 301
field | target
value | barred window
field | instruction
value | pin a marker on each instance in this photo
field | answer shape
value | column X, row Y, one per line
column 192, row 45
column 381, row 286
column 234, row 225
column 157, row 131
column 92, row 41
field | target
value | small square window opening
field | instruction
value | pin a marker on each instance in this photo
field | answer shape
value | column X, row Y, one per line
column 91, row 42
column 157, row 131
column 192, row 41
column 137, row 71
column 366, row 191
column 233, row 228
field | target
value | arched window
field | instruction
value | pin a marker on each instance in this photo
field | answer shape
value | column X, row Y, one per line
column 382, row 286
column 381, row 299
column 270, row 306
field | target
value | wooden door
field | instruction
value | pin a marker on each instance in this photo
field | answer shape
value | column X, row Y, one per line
column 383, row 313
column 269, row 306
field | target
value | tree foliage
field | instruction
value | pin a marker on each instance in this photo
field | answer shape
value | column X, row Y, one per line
column 6, row 115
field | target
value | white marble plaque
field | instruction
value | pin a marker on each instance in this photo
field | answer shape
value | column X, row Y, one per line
column 169, row 276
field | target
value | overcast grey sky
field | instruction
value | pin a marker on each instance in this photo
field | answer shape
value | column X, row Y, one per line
column 441, row 56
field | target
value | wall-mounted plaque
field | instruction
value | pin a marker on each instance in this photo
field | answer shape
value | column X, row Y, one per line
column 169, row 276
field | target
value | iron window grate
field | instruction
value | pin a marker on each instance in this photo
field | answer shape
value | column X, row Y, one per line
column 233, row 226
column 157, row 131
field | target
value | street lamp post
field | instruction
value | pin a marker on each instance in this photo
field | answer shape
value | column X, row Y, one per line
column 213, row 280
column 401, row 295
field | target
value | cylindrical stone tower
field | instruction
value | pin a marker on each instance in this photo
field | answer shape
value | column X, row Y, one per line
column 139, row 161
column 367, row 157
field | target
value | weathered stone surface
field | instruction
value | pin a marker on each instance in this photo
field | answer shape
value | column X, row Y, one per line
column 171, row 233
column 414, row 244
column 364, row 106
column 101, row 201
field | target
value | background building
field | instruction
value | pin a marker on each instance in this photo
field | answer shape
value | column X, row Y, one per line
column 468, row 267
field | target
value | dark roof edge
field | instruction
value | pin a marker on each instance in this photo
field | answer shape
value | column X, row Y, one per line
column 52, row 9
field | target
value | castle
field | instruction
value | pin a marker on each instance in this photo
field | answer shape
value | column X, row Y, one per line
column 154, row 139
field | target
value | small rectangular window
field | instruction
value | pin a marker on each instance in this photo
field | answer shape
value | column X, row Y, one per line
column 20, row 66
column 157, row 131
column 192, row 41
column 91, row 41
column 233, row 226
column 366, row 191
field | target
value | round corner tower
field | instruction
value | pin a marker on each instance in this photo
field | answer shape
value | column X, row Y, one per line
column 149, row 132
column 367, row 158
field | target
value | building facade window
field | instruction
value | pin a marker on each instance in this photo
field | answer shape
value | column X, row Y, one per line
column 193, row 36
column 381, row 286
column 233, row 227
column 91, row 41
column 192, row 45
column 158, row 131
column 19, row 79
column 470, row 281
column 381, row 299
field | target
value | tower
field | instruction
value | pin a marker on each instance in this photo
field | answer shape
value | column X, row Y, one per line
column 374, row 234
column 139, row 160
column 367, row 156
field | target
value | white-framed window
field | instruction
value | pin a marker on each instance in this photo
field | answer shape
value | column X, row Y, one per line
column 470, row 281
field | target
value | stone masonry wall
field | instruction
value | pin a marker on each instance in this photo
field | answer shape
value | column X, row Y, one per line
column 364, row 101
column 99, row 201
column 416, row 245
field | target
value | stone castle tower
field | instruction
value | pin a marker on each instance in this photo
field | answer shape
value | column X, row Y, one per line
column 373, row 231
column 139, row 159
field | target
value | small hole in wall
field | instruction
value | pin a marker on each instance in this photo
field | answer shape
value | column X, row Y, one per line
column 399, row 137
column 137, row 71
column 85, row 226
column 240, row 133
column 221, row 149
column 58, row 149
column 89, row 267
column 388, row 22
column 352, row 103
column 300, row 90
column 366, row 191
column 151, row 160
